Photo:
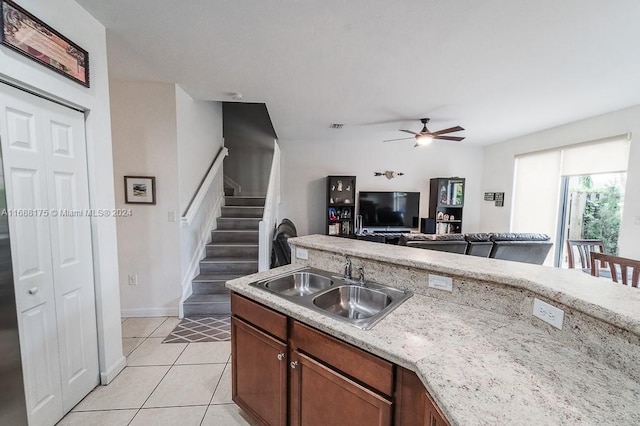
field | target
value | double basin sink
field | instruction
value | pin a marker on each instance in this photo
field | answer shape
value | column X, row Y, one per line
column 361, row 305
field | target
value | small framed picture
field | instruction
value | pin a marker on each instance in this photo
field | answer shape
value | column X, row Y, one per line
column 140, row 189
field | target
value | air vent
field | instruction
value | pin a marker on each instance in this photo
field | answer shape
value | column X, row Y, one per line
column 336, row 125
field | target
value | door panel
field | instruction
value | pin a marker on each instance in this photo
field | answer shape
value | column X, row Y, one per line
column 72, row 260
column 45, row 163
column 41, row 364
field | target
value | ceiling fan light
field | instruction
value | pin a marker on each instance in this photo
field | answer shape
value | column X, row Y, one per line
column 424, row 140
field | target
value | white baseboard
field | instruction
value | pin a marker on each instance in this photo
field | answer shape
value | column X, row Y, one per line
column 107, row 376
column 149, row 312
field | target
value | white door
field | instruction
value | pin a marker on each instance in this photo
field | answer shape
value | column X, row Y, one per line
column 43, row 151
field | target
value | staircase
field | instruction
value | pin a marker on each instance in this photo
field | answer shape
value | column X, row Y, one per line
column 232, row 253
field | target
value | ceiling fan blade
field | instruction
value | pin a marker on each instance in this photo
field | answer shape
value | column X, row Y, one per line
column 449, row 130
column 449, row 138
column 401, row 139
column 409, row 131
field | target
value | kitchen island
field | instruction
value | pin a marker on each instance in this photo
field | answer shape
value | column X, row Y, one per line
column 477, row 349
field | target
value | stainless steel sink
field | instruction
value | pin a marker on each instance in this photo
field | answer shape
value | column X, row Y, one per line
column 298, row 284
column 361, row 305
column 353, row 302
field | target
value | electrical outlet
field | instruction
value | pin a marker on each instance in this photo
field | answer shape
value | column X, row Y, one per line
column 133, row 279
column 548, row 313
column 302, row 253
column 440, row 282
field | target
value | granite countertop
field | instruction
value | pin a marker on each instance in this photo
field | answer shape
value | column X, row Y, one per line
column 480, row 367
column 614, row 304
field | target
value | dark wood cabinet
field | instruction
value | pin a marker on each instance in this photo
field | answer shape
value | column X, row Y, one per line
column 287, row 373
column 414, row 406
column 259, row 370
column 322, row 396
column 446, row 204
column 341, row 205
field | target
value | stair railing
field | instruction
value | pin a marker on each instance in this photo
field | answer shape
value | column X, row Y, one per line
column 200, row 194
column 197, row 221
column 267, row 225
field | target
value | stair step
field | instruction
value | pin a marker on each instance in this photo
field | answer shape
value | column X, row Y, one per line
column 234, row 236
column 241, row 250
column 248, row 223
column 244, row 201
column 211, row 283
column 230, row 265
column 217, row 287
column 242, row 211
column 213, row 277
column 207, row 304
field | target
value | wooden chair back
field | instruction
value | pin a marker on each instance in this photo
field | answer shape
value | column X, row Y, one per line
column 584, row 249
column 628, row 270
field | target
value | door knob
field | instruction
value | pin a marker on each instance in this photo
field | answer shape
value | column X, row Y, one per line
column 294, row 364
column 33, row 290
column 280, row 357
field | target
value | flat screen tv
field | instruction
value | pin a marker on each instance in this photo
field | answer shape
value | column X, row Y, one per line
column 389, row 211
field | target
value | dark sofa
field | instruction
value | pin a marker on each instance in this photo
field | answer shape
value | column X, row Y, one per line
column 519, row 247
column 452, row 243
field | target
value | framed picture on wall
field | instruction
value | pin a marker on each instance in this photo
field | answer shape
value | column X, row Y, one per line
column 140, row 189
column 33, row 38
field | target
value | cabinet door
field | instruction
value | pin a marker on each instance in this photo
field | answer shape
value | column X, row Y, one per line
column 259, row 373
column 321, row 396
column 414, row 406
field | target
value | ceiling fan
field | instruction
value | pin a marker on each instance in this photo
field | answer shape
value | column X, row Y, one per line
column 425, row 136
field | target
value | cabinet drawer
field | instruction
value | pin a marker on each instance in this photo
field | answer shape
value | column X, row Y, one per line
column 260, row 316
column 356, row 363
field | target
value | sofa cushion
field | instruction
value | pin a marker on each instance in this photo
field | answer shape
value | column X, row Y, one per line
column 450, row 246
column 477, row 237
column 513, row 236
column 432, row 237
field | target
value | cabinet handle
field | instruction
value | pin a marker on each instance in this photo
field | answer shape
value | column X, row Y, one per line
column 280, row 357
column 294, row 364
column 33, row 290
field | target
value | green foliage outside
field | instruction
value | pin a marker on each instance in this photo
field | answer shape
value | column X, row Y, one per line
column 601, row 217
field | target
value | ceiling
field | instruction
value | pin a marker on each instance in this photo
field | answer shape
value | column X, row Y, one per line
column 498, row 68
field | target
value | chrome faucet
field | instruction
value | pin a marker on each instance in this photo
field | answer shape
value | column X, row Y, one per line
column 361, row 275
column 347, row 268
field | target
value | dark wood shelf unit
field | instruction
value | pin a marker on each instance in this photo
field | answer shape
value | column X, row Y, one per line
column 341, row 206
column 446, row 199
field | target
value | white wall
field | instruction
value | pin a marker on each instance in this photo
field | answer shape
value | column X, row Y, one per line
column 499, row 165
column 144, row 144
column 74, row 22
column 199, row 132
column 305, row 166
column 159, row 130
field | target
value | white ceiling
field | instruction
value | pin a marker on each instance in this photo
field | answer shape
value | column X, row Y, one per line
column 499, row 68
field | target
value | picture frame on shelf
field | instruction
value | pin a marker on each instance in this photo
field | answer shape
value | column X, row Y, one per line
column 140, row 189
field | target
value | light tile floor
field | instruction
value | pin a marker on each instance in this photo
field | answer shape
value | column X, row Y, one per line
column 185, row 384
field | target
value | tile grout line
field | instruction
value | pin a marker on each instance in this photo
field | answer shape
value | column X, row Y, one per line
column 160, row 381
column 215, row 389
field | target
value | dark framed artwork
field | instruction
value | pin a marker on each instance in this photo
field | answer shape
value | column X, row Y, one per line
column 140, row 189
column 29, row 36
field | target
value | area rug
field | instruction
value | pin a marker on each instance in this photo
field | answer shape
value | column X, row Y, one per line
column 201, row 329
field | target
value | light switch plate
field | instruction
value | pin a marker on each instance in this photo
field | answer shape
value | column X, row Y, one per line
column 548, row 313
column 440, row 282
column 302, row 253
column 636, row 221
column 133, row 279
